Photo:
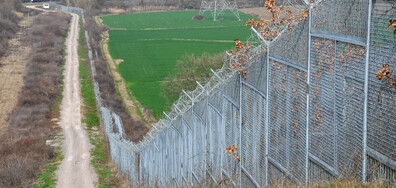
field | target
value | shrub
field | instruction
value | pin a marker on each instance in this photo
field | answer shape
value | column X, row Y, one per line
column 9, row 21
column 22, row 147
column 135, row 130
column 189, row 69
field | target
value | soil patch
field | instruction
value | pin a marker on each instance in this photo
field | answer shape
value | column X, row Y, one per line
column 118, row 61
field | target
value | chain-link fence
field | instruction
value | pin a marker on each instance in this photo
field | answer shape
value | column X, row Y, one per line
column 311, row 109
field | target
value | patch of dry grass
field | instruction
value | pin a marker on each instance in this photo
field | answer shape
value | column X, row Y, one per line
column 23, row 148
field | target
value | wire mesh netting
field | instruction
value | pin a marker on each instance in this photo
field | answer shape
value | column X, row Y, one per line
column 382, row 93
column 287, row 119
column 256, row 74
column 269, row 126
column 336, row 113
column 317, row 173
column 187, row 154
column 253, row 137
column 232, row 137
column 347, row 18
column 322, row 116
column 215, row 140
column 297, row 41
column 199, row 148
column 231, row 91
column 348, row 108
column 216, row 101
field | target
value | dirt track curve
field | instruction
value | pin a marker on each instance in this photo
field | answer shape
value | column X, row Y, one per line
column 75, row 170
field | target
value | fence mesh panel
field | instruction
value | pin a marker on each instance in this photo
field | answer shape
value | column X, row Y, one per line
column 253, row 136
column 187, row 153
column 321, row 128
column 277, row 110
column 200, row 110
column 297, row 41
column 382, row 93
column 232, row 135
column 216, row 100
column 341, row 17
column 231, row 90
column 336, row 113
column 318, row 174
column 348, row 108
column 256, row 74
column 178, row 151
column 199, row 156
column 215, row 142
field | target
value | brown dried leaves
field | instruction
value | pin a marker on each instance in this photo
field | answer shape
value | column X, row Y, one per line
column 232, row 150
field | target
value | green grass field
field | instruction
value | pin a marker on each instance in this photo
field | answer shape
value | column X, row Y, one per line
column 151, row 43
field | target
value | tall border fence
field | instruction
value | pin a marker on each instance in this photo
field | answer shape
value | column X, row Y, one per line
column 311, row 109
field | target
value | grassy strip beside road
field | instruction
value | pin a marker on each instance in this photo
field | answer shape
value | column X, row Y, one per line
column 89, row 109
column 100, row 160
column 47, row 175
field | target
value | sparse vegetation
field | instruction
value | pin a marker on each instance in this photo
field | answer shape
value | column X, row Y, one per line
column 100, row 160
column 189, row 69
column 47, row 175
column 10, row 14
column 90, row 111
column 23, row 148
column 135, row 130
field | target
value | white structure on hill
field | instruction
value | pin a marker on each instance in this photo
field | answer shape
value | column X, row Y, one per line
column 218, row 8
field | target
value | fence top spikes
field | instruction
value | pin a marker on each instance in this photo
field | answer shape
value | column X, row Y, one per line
column 167, row 115
column 199, row 84
column 216, row 75
column 188, row 95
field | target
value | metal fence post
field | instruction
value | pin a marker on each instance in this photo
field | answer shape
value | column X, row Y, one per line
column 240, row 127
column 207, row 137
column 335, row 124
column 308, row 97
column 364, row 155
column 267, row 119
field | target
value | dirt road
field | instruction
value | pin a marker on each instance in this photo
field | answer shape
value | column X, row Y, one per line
column 75, row 170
